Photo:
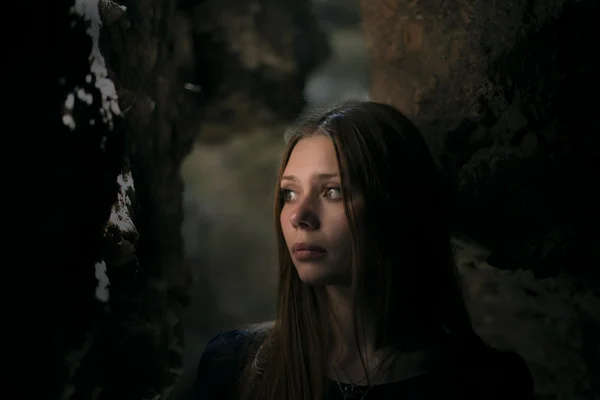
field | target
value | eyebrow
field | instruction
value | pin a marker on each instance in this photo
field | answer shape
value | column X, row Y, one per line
column 320, row 176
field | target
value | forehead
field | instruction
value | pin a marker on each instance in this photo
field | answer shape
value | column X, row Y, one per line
column 311, row 155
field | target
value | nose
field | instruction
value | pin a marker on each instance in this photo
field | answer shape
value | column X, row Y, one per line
column 304, row 217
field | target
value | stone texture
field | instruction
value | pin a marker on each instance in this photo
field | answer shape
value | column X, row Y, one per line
column 493, row 85
column 149, row 51
column 160, row 75
column 499, row 91
column 88, row 225
column 553, row 322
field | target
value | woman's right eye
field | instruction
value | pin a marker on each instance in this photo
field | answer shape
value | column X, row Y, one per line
column 287, row 195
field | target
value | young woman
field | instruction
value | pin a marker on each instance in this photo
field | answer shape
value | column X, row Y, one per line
column 369, row 304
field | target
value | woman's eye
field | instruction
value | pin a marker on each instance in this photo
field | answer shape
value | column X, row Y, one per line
column 333, row 192
column 287, row 194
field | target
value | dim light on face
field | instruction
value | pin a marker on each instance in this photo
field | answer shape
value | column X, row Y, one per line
column 313, row 218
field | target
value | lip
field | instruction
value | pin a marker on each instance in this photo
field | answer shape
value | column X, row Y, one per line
column 308, row 252
column 301, row 246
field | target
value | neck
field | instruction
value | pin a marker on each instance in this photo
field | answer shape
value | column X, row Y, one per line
column 353, row 328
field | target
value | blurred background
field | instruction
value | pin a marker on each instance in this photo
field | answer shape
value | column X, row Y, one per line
column 228, row 197
column 158, row 185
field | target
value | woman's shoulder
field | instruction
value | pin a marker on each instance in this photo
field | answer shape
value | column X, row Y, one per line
column 222, row 362
column 225, row 344
column 225, row 353
column 220, row 366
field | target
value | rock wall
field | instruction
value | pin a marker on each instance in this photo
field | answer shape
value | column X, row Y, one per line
column 149, row 50
column 98, row 290
column 501, row 92
column 138, row 82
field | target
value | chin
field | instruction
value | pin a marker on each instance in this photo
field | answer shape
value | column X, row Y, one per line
column 317, row 275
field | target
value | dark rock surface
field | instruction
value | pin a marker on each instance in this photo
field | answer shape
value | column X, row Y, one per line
column 97, row 288
column 498, row 90
column 136, row 84
column 502, row 92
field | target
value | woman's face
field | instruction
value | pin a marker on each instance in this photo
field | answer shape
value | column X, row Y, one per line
column 313, row 219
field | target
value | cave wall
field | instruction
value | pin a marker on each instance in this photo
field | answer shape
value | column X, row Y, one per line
column 88, row 226
column 501, row 90
column 496, row 90
column 137, row 83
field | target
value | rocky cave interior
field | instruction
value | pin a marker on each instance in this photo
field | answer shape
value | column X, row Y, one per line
column 169, row 119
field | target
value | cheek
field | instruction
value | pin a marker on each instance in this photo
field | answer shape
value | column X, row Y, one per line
column 284, row 222
column 340, row 229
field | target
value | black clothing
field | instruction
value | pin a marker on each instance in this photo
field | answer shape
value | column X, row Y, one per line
column 480, row 373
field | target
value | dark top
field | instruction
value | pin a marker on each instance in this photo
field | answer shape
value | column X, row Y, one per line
column 480, row 373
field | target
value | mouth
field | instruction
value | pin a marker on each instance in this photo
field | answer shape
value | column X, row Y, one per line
column 307, row 247
column 308, row 252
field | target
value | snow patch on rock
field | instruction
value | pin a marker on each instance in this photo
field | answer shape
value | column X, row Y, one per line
column 120, row 215
column 102, row 291
column 89, row 10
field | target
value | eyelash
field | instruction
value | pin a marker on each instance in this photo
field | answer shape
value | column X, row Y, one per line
column 284, row 192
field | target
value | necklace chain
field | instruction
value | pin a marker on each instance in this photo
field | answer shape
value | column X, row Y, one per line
column 350, row 391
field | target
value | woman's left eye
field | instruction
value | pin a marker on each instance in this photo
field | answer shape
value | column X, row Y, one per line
column 333, row 192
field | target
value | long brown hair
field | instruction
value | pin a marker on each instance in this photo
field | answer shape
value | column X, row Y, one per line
column 402, row 259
